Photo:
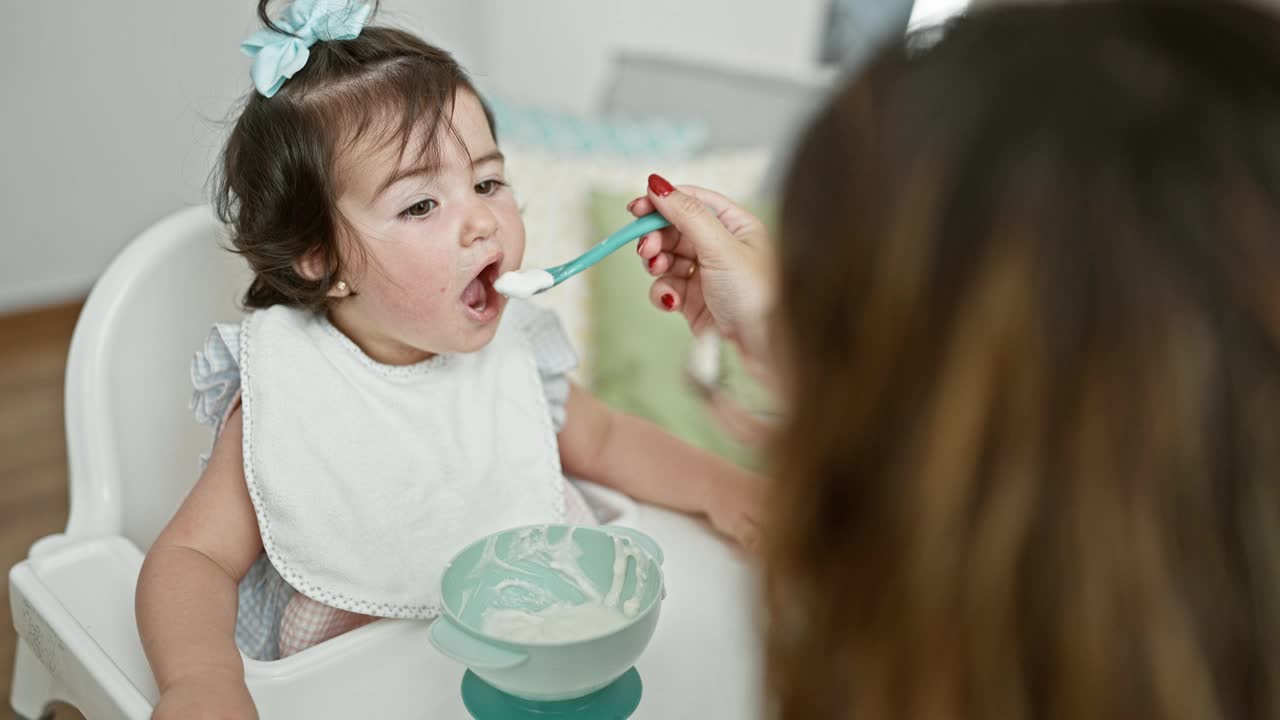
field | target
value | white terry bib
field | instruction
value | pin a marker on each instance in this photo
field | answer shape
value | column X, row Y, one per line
column 368, row 478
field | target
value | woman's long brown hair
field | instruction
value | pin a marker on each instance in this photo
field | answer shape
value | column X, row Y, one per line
column 1030, row 291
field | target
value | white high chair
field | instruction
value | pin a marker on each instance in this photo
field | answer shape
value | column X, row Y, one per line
column 133, row 448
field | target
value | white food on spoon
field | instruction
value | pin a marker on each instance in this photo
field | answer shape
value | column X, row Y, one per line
column 524, row 283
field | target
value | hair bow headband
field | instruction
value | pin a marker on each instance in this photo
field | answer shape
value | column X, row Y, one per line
column 278, row 55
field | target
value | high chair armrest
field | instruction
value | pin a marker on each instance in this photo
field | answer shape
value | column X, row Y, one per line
column 72, row 604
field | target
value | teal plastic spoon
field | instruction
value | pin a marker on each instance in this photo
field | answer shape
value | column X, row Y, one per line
column 527, row 283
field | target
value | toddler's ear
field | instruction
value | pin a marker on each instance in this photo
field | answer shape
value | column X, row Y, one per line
column 316, row 265
column 312, row 265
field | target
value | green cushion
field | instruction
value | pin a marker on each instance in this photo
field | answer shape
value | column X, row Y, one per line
column 640, row 353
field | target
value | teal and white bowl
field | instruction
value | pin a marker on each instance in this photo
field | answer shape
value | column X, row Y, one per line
column 551, row 612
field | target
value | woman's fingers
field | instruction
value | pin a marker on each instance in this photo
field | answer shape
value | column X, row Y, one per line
column 640, row 206
column 744, row 226
column 680, row 267
column 669, row 293
column 683, row 295
column 667, row 239
column 673, row 265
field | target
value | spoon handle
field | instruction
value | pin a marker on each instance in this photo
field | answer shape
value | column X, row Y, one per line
column 637, row 228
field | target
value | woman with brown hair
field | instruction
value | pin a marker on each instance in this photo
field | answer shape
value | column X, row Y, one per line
column 1024, row 317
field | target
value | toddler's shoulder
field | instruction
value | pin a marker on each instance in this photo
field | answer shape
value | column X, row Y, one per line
column 215, row 373
column 541, row 327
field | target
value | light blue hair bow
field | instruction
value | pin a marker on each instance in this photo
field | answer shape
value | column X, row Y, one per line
column 277, row 56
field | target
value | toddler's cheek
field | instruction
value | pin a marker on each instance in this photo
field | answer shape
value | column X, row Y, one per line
column 433, row 299
column 421, row 303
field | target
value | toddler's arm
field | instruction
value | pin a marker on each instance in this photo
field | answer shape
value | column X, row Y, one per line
column 646, row 462
column 187, row 591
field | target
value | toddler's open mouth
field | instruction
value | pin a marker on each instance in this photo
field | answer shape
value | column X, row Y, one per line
column 480, row 300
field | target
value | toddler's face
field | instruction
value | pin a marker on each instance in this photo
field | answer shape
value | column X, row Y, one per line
column 433, row 244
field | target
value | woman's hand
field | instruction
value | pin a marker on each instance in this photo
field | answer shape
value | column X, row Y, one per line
column 714, row 264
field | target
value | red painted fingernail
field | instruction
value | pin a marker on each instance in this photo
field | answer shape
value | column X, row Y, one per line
column 653, row 261
column 660, row 186
column 669, row 301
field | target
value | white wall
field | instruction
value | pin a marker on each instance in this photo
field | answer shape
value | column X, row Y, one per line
column 557, row 52
column 113, row 112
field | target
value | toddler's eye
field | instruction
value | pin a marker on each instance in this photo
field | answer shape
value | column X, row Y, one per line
column 489, row 187
column 420, row 208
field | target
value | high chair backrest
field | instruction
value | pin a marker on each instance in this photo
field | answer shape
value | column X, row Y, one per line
column 132, row 442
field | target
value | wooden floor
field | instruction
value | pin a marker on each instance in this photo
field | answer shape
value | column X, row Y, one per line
column 33, row 454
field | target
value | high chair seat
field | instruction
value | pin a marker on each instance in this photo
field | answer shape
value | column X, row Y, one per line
column 133, row 447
